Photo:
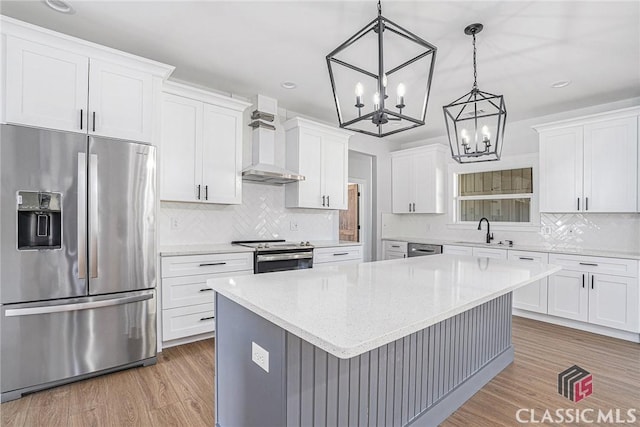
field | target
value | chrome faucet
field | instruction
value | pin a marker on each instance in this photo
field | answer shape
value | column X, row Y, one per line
column 489, row 235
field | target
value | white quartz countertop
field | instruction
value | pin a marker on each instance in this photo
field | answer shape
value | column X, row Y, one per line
column 609, row 253
column 221, row 248
column 348, row 310
column 333, row 243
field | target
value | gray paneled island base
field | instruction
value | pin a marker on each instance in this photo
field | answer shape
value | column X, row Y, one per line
column 342, row 351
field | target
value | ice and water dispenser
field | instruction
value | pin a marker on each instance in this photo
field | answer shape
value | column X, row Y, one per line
column 39, row 220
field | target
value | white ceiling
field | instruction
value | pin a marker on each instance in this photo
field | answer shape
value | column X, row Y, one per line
column 251, row 47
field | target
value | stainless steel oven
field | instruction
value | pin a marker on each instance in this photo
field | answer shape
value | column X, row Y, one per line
column 421, row 249
column 279, row 255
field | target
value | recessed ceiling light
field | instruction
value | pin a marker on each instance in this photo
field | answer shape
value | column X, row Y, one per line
column 288, row 85
column 60, row 6
column 560, row 84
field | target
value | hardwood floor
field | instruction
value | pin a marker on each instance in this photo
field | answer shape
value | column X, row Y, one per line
column 178, row 391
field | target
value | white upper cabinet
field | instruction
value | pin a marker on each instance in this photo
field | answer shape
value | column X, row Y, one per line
column 590, row 165
column 120, row 101
column 201, row 146
column 418, row 180
column 320, row 153
column 59, row 82
column 46, row 87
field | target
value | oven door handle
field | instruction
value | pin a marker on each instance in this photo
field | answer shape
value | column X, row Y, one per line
column 285, row 257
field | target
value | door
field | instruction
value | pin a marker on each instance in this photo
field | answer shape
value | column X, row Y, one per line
column 181, row 149
column 568, row 295
column 42, row 160
column 121, row 212
column 349, row 228
column 310, row 158
column 335, row 171
column 561, row 169
column 532, row 297
column 221, row 155
column 120, row 102
column 46, row 87
column 613, row 301
column 402, row 184
column 43, row 342
column 611, row 166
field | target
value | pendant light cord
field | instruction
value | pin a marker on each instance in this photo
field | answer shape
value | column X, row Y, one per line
column 475, row 71
column 379, row 8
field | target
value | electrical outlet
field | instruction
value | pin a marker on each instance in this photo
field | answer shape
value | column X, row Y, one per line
column 293, row 225
column 260, row 356
column 175, row 224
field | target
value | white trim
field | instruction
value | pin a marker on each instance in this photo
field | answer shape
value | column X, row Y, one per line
column 592, row 118
column 421, row 149
column 186, row 340
column 365, row 232
column 198, row 94
column 313, row 125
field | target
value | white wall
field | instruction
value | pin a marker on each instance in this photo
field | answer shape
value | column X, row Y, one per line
column 569, row 231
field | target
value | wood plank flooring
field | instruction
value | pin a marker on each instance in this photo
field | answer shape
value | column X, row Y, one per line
column 178, row 391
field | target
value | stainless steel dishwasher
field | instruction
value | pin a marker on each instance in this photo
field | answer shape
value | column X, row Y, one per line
column 422, row 249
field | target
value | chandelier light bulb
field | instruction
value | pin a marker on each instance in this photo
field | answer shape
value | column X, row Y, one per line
column 485, row 133
column 401, row 89
column 359, row 89
column 376, row 99
column 384, row 80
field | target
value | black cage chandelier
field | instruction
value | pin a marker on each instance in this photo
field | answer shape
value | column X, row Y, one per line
column 381, row 55
column 476, row 120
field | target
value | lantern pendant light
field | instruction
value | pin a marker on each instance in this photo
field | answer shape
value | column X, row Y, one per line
column 475, row 121
column 380, row 56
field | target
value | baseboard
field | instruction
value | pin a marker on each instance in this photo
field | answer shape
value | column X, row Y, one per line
column 187, row 340
column 588, row 327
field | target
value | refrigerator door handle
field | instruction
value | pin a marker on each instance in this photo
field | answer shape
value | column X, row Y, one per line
column 76, row 306
column 93, row 215
column 82, row 215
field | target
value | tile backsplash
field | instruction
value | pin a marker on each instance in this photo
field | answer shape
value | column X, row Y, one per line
column 619, row 232
column 261, row 215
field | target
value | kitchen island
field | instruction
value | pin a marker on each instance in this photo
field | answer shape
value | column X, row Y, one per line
column 382, row 343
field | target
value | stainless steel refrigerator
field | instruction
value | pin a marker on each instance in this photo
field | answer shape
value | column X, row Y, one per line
column 77, row 257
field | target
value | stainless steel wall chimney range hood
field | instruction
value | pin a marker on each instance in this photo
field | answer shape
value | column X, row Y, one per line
column 263, row 169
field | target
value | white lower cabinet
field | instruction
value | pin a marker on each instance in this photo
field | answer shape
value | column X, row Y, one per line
column 532, row 297
column 392, row 249
column 585, row 291
column 187, row 301
column 490, row 253
column 337, row 255
column 457, row 250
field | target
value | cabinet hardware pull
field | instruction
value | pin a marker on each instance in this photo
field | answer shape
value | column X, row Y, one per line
column 341, row 253
column 592, row 277
column 328, row 203
column 414, row 207
column 589, row 263
column 206, row 192
column 94, row 121
column 207, row 318
column 198, row 196
column 324, row 200
column 81, row 118
column 208, row 264
column 578, row 204
column 586, row 203
column 395, row 246
column 526, row 258
column 409, row 207
column 205, row 289
column 583, row 280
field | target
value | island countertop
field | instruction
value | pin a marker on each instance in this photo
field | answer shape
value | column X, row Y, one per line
column 347, row 310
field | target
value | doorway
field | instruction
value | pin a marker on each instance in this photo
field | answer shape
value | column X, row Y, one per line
column 350, row 219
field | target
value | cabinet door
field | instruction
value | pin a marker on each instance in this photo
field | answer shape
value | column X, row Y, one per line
column 490, row 253
column 428, row 180
column 401, row 184
column 613, row 301
column 181, row 137
column 532, row 297
column 46, row 87
column 611, row 166
column 310, row 165
column 457, row 250
column 221, row 155
column 335, row 172
column 568, row 295
column 394, row 255
column 120, row 102
column 561, row 170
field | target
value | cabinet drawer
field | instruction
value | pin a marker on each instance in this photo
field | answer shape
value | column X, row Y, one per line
column 188, row 265
column 457, row 250
column 528, row 256
column 185, row 321
column 191, row 290
column 395, row 246
column 601, row 265
column 490, row 253
column 337, row 254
